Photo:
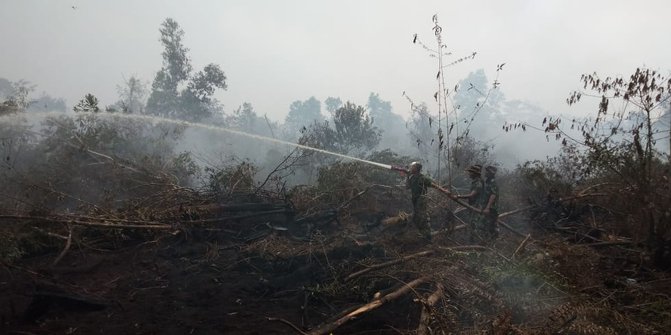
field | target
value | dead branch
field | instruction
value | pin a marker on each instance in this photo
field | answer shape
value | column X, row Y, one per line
column 50, row 233
column 385, row 264
column 419, row 254
column 68, row 243
column 84, row 223
column 610, row 243
column 513, row 230
column 594, row 186
column 221, row 209
column 280, row 167
column 521, row 246
column 93, row 218
column 375, row 303
column 515, row 211
column 425, row 317
column 464, row 247
column 238, row 217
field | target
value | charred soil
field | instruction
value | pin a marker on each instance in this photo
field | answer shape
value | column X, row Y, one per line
column 278, row 269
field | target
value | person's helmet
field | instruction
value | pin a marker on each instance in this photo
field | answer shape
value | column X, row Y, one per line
column 416, row 165
column 491, row 169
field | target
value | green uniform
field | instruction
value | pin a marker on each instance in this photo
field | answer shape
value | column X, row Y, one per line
column 419, row 185
column 475, row 200
column 488, row 221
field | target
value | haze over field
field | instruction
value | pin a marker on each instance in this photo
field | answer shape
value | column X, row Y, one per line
column 274, row 53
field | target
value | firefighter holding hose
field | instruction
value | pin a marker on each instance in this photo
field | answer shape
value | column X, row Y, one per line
column 419, row 185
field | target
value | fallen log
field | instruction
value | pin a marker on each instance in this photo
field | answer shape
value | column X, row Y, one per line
column 329, row 327
column 425, row 317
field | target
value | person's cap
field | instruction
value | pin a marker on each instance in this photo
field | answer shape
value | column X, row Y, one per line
column 491, row 169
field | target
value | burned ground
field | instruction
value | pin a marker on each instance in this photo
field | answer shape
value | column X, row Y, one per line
column 277, row 267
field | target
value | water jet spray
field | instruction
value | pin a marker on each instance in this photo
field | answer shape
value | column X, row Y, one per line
column 149, row 118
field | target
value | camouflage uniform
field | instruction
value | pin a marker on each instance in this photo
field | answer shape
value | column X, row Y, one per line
column 476, row 201
column 488, row 221
column 419, row 185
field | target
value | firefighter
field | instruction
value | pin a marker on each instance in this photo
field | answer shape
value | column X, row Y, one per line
column 475, row 194
column 474, row 198
column 419, row 185
column 490, row 204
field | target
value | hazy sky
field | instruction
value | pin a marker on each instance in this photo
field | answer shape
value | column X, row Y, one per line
column 275, row 52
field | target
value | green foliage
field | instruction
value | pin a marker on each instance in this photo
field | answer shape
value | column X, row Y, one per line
column 353, row 134
column 176, row 62
column 89, row 104
column 354, row 130
column 204, row 83
column 194, row 102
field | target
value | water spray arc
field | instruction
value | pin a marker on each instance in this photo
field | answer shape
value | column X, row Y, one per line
column 245, row 134
column 148, row 118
